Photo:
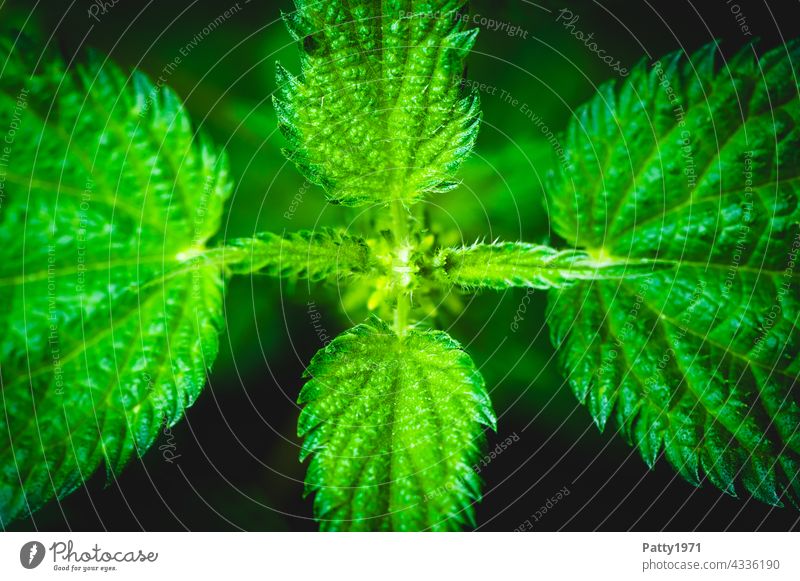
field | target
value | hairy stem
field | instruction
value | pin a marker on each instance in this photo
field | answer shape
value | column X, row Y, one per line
column 402, row 266
column 518, row 264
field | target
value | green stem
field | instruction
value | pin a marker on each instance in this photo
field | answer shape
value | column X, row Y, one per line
column 401, row 312
column 402, row 238
column 400, row 216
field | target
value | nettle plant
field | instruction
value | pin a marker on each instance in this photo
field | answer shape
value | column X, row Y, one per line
column 674, row 302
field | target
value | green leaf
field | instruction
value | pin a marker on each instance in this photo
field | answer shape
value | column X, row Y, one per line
column 378, row 113
column 693, row 163
column 518, row 264
column 111, row 303
column 316, row 255
column 394, row 425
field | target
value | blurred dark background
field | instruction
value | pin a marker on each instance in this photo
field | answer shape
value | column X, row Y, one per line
column 236, row 465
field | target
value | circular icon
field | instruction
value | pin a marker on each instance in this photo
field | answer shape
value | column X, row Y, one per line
column 31, row 554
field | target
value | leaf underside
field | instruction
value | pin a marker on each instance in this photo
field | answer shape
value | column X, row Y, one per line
column 111, row 309
column 378, row 112
column 394, row 427
column 696, row 164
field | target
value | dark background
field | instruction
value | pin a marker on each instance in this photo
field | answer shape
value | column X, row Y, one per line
column 237, row 464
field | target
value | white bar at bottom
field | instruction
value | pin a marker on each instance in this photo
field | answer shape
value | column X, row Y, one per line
column 457, row 556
